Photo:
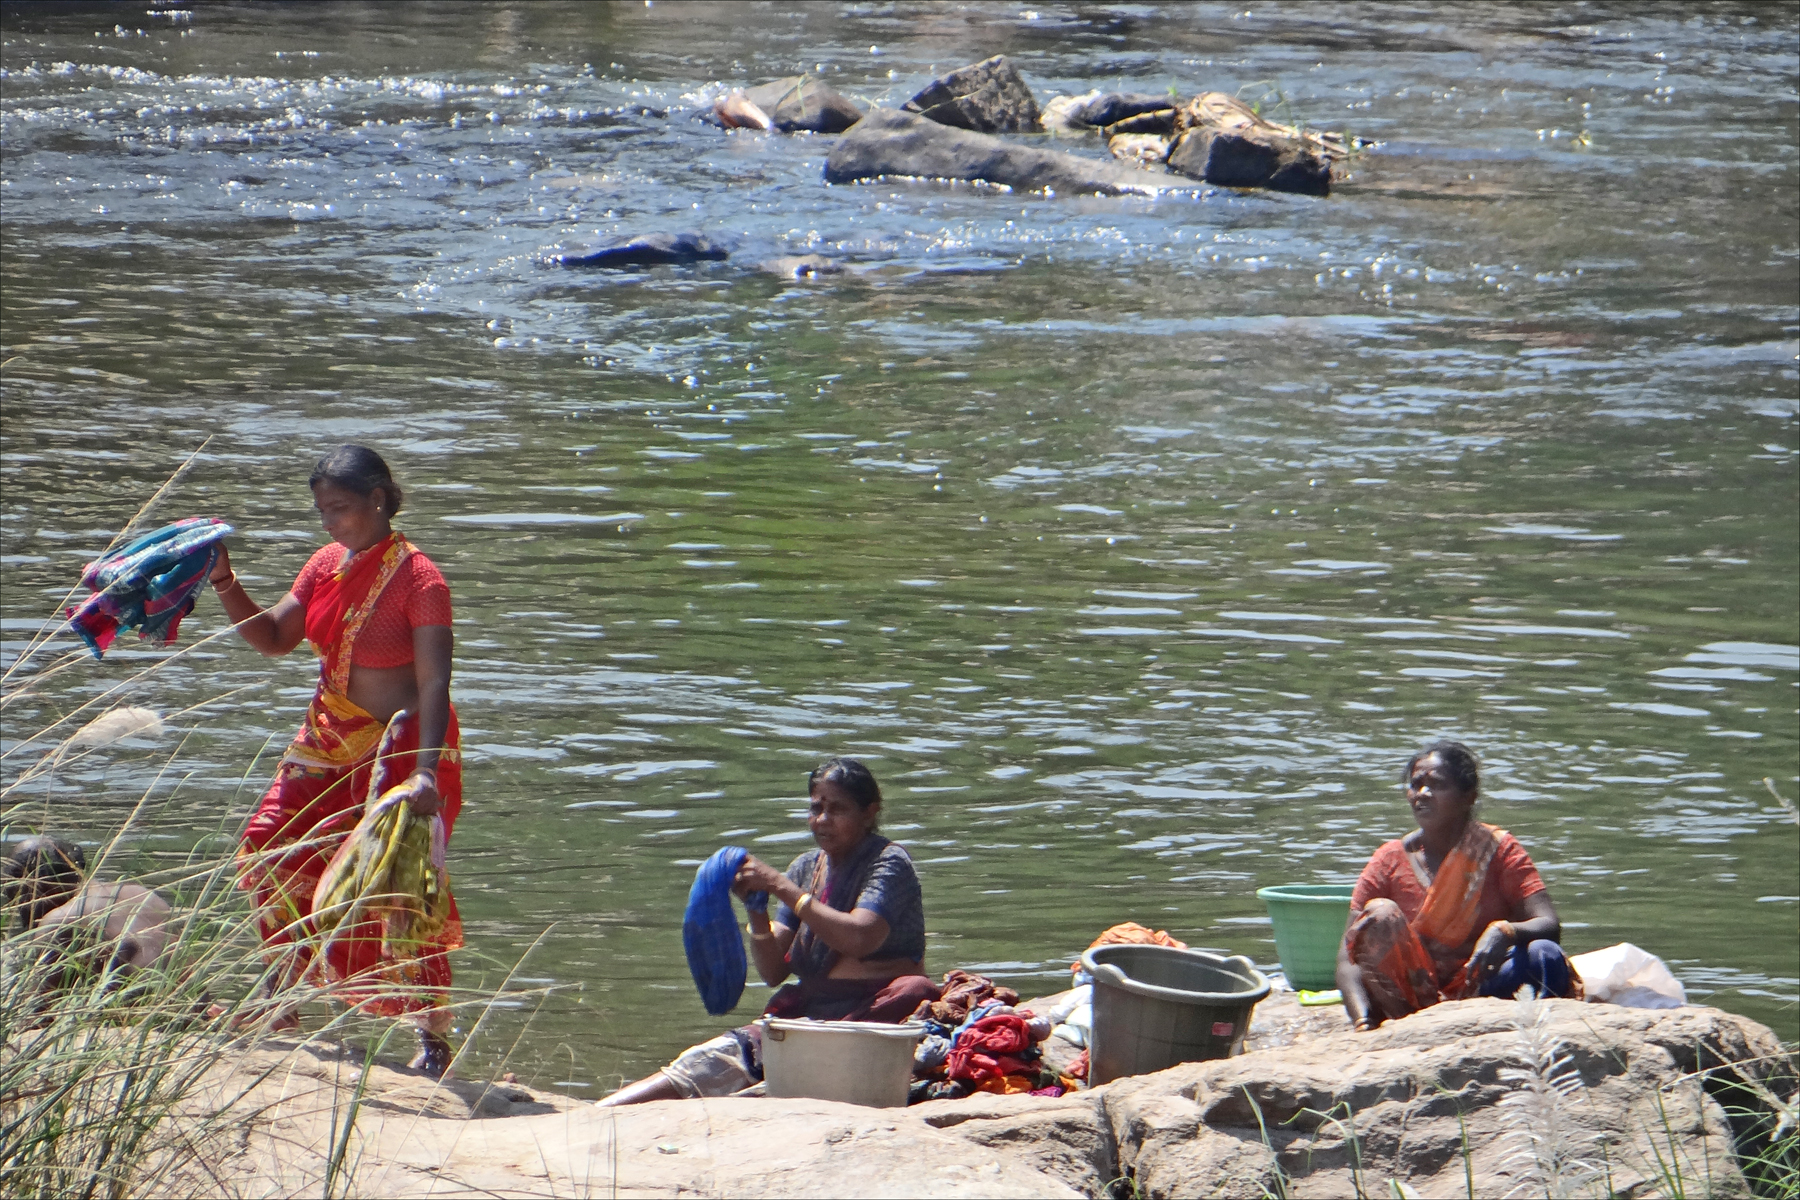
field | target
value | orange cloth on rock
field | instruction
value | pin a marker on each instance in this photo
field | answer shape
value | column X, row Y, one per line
column 1133, row 934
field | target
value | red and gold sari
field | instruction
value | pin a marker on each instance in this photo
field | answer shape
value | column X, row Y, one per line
column 317, row 798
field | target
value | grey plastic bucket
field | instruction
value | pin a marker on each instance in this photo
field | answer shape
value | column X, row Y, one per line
column 1155, row 1007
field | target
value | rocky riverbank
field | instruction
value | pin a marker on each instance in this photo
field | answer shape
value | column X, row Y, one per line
column 1443, row 1102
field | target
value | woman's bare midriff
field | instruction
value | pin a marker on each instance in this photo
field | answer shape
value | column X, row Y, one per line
column 383, row 691
column 875, row 968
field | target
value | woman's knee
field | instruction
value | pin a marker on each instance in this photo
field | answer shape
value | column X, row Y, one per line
column 1549, row 967
column 717, row 1067
column 1383, row 910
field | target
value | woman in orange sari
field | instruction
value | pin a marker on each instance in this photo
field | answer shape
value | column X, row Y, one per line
column 1452, row 910
column 377, row 613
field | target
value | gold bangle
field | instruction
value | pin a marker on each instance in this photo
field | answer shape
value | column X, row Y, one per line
column 760, row 937
column 802, row 904
column 230, row 583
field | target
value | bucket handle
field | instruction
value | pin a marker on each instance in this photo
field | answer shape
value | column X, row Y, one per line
column 1110, row 973
column 1243, row 961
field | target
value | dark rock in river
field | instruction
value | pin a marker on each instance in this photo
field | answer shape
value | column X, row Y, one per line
column 890, row 142
column 1219, row 138
column 800, row 103
column 987, row 97
column 1119, row 106
column 652, row 249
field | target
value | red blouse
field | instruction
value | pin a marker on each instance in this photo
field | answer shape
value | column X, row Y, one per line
column 1511, row 877
column 415, row 597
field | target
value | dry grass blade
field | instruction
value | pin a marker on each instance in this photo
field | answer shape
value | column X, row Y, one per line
column 1549, row 1160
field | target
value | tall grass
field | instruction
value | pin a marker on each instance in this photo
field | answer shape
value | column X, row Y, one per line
column 97, row 1064
column 1550, row 1152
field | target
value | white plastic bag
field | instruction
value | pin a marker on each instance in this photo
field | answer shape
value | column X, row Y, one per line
column 1624, row 974
column 1075, row 1016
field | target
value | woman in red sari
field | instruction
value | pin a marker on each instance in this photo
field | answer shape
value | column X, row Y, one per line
column 377, row 613
column 1452, row 910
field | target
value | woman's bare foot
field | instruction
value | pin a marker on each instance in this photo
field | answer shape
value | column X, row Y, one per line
column 434, row 1055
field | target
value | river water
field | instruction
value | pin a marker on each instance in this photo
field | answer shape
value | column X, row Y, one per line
column 1133, row 542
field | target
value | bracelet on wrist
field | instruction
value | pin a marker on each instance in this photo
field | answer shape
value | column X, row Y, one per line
column 231, row 581
column 802, row 904
column 760, row 937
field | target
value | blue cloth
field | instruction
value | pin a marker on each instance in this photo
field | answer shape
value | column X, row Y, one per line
column 709, row 931
column 1542, row 964
column 149, row 584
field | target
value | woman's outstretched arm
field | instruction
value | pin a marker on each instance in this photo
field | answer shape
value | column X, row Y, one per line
column 274, row 631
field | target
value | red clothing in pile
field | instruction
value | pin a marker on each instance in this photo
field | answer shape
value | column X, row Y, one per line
column 416, row 597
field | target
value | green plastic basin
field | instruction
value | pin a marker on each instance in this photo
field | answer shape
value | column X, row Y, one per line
column 1309, row 920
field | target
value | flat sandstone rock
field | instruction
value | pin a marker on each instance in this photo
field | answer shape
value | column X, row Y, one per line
column 1317, row 1111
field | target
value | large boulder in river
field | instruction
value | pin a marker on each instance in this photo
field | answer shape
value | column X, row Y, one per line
column 801, row 103
column 891, row 142
column 1220, row 139
column 1463, row 1098
column 987, row 97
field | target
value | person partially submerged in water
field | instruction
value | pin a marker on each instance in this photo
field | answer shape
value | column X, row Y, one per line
column 1452, row 910
column 118, row 928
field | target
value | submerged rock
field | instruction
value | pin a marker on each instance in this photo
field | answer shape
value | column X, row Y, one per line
column 891, row 142
column 802, row 266
column 1147, row 149
column 1219, row 139
column 801, row 103
column 651, row 249
column 986, row 97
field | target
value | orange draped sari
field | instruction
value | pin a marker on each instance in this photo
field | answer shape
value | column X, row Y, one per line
column 317, row 798
column 1409, row 965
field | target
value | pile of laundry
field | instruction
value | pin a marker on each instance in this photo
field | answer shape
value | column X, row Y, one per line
column 978, row 1040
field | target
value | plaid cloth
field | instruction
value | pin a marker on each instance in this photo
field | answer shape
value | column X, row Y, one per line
column 710, row 934
column 149, row 584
